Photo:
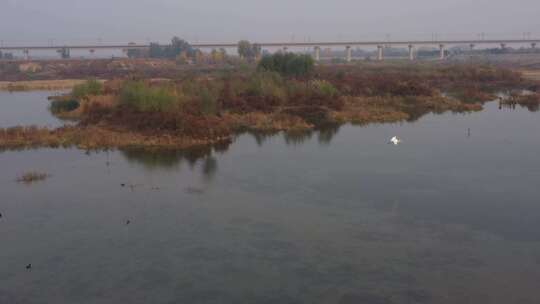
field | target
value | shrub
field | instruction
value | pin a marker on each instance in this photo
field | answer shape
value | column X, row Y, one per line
column 267, row 84
column 203, row 94
column 62, row 106
column 208, row 102
column 142, row 97
column 90, row 87
column 324, row 89
column 288, row 64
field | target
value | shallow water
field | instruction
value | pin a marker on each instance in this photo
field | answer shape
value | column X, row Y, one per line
column 26, row 108
column 327, row 217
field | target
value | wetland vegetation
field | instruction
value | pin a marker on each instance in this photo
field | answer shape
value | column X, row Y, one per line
column 285, row 92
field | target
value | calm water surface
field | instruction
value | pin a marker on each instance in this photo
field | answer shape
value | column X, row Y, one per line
column 26, row 108
column 338, row 216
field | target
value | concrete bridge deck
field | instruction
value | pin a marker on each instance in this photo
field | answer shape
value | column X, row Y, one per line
column 281, row 44
column 411, row 44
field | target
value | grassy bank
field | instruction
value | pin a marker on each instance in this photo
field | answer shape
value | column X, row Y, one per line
column 205, row 108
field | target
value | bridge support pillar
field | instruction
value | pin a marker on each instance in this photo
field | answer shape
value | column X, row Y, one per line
column 533, row 45
column 471, row 46
column 285, row 49
column 503, row 46
column 380, row 52
column 65, row 53
column 442, row 54
column 317, row 53
column 411, row 52
column 349, row 54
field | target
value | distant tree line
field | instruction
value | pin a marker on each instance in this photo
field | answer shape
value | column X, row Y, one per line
column 178, row 47
column 249, row 51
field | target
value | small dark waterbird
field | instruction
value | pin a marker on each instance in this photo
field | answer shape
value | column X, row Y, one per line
column 128, row 222
column 29, row 266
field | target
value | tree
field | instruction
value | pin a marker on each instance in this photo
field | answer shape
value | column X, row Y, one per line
column 178, row 46
column 218, row 56
column 155, row 51
column 248, row 51
column 182, row 58
column 256, row 50
column 244, row 48
column 135, row 53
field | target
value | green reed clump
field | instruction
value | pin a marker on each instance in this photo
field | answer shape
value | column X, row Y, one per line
column 208, row 101
column 267, row 84
column 288, row 64
column 90, row 87
column 204, row 94
column 143, row 97
column 324, row 88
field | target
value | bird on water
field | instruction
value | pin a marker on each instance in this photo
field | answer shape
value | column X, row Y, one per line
column 29, row 266
column 395, row 141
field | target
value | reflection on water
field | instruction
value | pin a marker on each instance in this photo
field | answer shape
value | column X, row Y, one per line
column 324, row 134
column 172, row 159
column 532, row 107
column 330, row 216
column 327, row 133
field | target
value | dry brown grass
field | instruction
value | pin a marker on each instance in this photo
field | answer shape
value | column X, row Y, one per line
column 93, row 138
column 531, row 74
column 364, row 110
column 46, row 85
column 266, row 122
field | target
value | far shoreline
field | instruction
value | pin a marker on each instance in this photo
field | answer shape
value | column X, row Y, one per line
column 40, row 85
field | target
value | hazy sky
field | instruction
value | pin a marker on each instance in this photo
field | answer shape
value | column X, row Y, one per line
column 39, row 21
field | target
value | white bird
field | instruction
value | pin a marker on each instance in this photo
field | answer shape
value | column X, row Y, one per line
column 395, row 140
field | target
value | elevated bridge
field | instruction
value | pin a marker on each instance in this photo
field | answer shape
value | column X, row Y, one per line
column 348, row 45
